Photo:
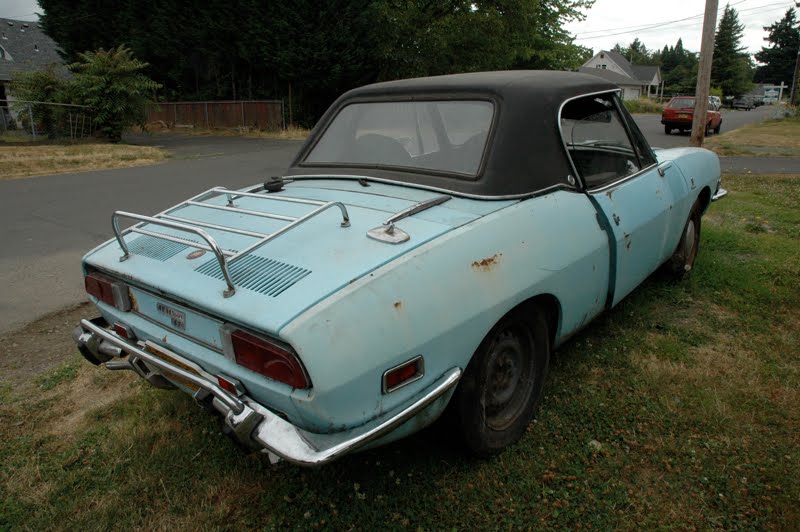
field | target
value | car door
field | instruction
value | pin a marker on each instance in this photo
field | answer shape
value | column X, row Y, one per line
column 632, row 194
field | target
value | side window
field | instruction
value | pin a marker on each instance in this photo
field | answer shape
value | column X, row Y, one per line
column 597, row 141
column 646, row 156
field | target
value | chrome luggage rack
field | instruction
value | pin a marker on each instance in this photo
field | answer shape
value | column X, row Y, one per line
column 224, row 257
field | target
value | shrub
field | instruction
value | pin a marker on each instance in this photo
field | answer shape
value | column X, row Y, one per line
column 113, row 85
column 43, row 86
column 644, row 105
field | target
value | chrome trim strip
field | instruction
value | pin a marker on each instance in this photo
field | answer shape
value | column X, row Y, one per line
column 227, row 399
column 624, row 179
column 385, row 181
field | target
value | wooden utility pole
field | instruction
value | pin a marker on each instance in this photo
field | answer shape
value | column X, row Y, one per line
column 793, row 98
column 704, row 74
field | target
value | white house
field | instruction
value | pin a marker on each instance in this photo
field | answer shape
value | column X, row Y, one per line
column 634, row 80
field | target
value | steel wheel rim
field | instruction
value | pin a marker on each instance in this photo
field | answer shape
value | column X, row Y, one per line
column 509, row 377
column 690, row 240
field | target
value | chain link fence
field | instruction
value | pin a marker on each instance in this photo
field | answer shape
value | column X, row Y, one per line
column 28, row 120
column 267, row 115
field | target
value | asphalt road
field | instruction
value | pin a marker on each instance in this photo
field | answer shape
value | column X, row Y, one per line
column 731, row 119
column 49, row 222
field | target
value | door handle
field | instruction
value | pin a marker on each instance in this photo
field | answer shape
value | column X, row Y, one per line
column 662, row 168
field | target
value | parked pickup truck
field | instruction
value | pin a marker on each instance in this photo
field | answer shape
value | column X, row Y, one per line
column 431, row 244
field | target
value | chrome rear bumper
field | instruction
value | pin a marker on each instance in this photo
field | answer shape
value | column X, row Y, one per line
column 251, row 423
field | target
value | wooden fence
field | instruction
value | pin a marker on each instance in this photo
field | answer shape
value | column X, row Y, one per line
column 256, row 114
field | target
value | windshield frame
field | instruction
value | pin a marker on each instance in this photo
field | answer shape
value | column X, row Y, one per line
column 410, row 98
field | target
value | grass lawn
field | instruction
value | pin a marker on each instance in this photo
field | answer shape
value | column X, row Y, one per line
column 677, row 409
column 36, row 159
column 767, row 139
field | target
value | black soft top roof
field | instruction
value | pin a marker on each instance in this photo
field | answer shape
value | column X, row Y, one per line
column 525, row 153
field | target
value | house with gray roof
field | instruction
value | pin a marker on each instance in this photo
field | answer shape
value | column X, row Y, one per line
column 634, row 80
column 24, row 47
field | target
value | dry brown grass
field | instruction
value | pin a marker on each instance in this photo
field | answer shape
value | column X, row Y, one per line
column 290, row 133
column 37, row 160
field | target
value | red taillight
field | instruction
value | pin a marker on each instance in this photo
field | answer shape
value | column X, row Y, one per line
column 108, row 290
column 268, row 359
column 230, row 385
column 405, row 373
column 124, row 331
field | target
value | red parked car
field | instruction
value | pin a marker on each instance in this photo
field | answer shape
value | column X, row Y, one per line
column 678, row 113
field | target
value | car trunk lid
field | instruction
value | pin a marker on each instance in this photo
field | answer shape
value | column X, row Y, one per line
column 283, row 277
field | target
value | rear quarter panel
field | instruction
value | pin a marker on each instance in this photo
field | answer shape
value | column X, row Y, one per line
column 441, row 300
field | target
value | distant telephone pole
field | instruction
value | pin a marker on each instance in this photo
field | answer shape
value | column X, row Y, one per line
column 793, row 96
column 704, row 74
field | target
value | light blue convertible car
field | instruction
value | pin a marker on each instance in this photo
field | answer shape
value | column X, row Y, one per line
column 431, row 244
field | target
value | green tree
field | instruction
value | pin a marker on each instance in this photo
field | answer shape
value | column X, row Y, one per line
column 678, row 69
column 112, row 84
column 47, row 85
column 637, row 53
column 235, row 49
column 731, row 68
column 779, row 58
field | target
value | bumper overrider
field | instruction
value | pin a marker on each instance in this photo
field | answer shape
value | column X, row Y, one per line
column 251, row 423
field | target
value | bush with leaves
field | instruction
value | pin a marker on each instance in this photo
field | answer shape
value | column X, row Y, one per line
column 48, row 85
column 113, row 85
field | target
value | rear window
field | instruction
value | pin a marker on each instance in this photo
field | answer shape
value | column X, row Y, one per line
column 446, row 136
column 681, row 103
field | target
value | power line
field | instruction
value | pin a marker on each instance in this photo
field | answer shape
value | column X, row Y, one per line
column 659, row 25
column 652, row 24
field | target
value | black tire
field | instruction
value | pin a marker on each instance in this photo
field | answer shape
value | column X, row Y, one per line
column 667, row 130
column 708, row 129
column 503, row 382
column 716, row 129
column 682, row 261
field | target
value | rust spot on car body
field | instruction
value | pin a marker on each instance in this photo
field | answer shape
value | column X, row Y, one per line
column 488, row 263
column 398, row 305
column 134, row 303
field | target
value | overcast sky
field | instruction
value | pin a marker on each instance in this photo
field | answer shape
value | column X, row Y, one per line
column 661, row 22
column 654, row 22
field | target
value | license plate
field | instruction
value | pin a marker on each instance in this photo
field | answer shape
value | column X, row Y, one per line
column 684, row 115
column 175, row 316
column 175, row 360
